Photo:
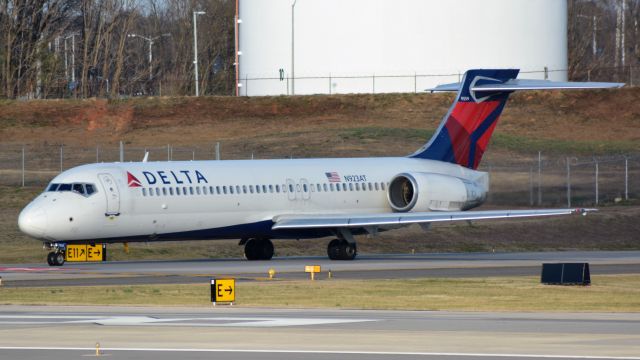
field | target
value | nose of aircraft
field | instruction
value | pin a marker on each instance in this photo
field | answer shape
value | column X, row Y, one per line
column 33, row 221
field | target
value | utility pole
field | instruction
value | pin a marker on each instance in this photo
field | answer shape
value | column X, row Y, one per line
column 293, row 72
column 195, row 47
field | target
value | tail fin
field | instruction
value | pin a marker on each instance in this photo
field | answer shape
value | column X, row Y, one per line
column 464, row 133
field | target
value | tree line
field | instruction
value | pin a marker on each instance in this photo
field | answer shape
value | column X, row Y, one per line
column 115, row 48
column 86, row 48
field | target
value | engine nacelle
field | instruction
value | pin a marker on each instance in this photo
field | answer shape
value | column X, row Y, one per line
column 433, row 192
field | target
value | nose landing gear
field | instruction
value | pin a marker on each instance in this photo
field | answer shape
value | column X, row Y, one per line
column 55, row 257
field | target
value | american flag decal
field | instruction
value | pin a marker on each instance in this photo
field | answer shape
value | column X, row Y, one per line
column 332, row 176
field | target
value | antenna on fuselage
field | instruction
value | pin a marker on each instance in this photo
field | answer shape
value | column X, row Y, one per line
column 146, row 156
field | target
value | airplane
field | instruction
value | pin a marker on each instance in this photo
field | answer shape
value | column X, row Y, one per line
column 260, row 200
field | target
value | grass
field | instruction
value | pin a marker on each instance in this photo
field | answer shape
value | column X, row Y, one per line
column 609, row 293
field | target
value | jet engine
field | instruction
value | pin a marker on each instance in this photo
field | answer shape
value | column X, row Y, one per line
column 418, row 192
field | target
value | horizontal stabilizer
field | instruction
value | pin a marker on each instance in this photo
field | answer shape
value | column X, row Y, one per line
column 523, row 84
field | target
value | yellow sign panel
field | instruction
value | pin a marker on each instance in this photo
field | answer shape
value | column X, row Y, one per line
column 82, row 253
column 312, row 268
column 223, row 290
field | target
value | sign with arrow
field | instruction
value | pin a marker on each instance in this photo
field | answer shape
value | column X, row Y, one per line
column 84, row 252
column 223, row 290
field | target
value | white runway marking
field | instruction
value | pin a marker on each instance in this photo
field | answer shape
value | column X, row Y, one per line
column 390, row 353
column 148, row 320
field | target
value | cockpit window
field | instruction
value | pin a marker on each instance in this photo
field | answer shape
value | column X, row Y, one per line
column 79, row 188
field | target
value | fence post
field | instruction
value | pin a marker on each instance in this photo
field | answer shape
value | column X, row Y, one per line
column 246, row 85
column 539, row 178
column 121, row 151
column 626, row 178
column 415, row 83
column 61, row 155
column 22, row 165
column 168, row 152
column 329, row 83
column 597, row 173
column 568, row 183
column 218, row 150
column 193, row 155
column 97, row 153
column 530, row 186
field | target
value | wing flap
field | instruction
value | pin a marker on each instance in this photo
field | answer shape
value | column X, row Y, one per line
column 389, row 219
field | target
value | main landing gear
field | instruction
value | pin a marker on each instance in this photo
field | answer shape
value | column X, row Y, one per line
column 56, row 256
column 257, row 249
column 340, row 249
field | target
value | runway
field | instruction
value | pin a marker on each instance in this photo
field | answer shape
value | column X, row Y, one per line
column 391, row 266
column 242, row 333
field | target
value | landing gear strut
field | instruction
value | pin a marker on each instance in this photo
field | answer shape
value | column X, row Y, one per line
column 340, row 249
column 258, row 249
column 55, row 257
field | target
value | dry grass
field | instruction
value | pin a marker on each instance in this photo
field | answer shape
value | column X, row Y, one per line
column 609, row 293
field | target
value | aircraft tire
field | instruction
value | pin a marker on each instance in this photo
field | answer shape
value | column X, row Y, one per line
column 50, row 259
column 250, row 250
column 265, row 249
column 58, row 259
column 347, row 251
column 333, row 249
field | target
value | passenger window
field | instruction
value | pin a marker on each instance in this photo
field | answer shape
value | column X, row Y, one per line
column 224, row 190
column 150, row 191
column 305, row 188
column 237, row 189
column 350, row 186
column 191, row 190
column 211, row 190
column 370, row 187
column 271, row 189
column 331, row 185
column 218, row 190
column 337, row 187
column 177, row 190
column 230, row 189
column 258, row 189
column 382, row 186
column 344, row 187
column 376, row 185
column 170, row 191
column 318, row 187
column 204, row 190
column 164, row 191
column 251, row 189
column 358, row 186
column 157, row 191
column 198, row 190
column 324, row 186
column 278, row 189
column 144, row 192
column 244, row 189
column 264, row 189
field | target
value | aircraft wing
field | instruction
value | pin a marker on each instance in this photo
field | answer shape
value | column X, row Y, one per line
column 282, row 222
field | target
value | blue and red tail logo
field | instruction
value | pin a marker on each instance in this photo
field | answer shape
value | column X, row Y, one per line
column 464, row 133
column 133, row 181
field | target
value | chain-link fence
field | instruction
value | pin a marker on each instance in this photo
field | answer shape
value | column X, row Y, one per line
column 284, row 84
column 536, row 180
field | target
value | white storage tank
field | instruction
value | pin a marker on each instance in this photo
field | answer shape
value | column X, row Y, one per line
column 365, row 46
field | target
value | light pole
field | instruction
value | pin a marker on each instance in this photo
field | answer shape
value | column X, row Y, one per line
column 293, row 76
column 150, row 40
column 73, row 56
column 195, row 47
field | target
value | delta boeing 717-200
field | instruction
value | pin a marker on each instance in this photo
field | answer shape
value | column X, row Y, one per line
column 256, row 201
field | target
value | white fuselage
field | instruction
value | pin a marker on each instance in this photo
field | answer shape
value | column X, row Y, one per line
column 147, row 201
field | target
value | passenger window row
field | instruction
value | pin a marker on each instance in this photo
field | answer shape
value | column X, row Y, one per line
column 261, row 189
column 84, row 189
